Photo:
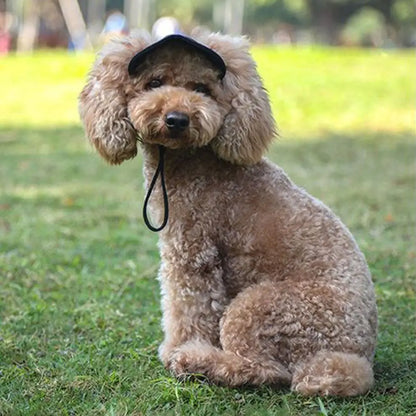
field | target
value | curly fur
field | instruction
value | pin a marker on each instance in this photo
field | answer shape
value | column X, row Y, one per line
column 261, row 283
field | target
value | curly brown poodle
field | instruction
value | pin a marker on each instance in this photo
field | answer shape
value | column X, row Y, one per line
column 261, row 283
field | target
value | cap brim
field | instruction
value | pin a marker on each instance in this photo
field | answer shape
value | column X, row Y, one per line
column 212, row 56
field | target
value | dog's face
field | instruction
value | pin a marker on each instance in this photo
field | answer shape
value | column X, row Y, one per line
column 176, row 99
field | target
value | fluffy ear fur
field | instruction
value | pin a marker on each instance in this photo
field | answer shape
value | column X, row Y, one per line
column 249, row 127
column 103, row 101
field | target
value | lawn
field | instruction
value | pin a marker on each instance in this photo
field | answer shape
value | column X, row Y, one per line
column 79, row 300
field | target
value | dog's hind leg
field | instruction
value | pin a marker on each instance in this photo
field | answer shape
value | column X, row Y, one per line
column 245, row 356
column 287, row 332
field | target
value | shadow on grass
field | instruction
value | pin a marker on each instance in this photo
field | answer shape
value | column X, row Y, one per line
column 64, row 151
column 391, row 374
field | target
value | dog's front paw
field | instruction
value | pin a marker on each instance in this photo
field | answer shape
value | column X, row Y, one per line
column 192, row 357
column 177, row 359
column 180, row 363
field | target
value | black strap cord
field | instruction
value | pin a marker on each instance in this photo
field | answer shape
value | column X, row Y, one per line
column 159, row 171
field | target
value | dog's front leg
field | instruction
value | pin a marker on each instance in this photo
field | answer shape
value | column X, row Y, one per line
column 193, row 302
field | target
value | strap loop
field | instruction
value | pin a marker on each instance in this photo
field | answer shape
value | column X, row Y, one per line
column 159, row 171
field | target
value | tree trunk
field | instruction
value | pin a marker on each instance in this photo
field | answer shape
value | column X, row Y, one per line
column 137, row 12
column 75, row 24
column 233, row 16
column 95, row 18
column 28, row 32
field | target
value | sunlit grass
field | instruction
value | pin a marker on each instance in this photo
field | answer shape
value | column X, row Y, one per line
column 41, row 90
column 79, row 300
column 313, row 90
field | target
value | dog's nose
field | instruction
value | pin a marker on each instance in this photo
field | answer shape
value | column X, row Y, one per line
column 177, row 121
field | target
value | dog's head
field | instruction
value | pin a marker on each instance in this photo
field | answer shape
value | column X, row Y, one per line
column 181, row 93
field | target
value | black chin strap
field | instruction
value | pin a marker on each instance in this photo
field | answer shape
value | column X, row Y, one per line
column 160, row 170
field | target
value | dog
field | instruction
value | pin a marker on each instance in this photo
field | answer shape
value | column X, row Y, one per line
column 261, row 283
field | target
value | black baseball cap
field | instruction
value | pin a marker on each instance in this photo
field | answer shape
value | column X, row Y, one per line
column 212, row 56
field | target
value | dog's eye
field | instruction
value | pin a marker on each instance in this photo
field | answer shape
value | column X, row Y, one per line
column 154, row 83
column 202, row 89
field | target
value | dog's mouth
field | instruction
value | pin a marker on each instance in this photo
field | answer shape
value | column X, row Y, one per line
column 168, row 139
column 173, row 138
column 175, row 135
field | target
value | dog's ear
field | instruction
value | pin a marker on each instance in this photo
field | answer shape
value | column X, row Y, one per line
column 103, row 101
column 249, row 127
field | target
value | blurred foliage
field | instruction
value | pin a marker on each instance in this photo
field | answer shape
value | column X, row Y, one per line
column 328, row 20
column 381, row 23
column 366, row 27
column 391, row 22
column 295, row 12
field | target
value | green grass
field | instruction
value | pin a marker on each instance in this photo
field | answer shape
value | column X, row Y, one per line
column 79, row 302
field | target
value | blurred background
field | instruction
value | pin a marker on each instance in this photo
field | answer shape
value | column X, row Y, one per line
column 83, row 24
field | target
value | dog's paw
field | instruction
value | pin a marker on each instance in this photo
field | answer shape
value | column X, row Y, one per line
column 192, row 358
column 180, row 363
column 177, row 359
